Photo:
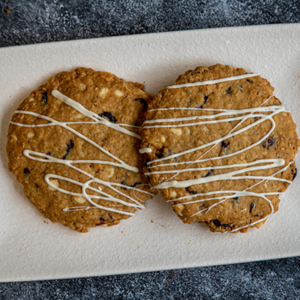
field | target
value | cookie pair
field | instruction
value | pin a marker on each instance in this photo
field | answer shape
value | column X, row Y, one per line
column 217, row 144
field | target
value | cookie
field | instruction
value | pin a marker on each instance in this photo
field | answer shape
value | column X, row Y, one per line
column 73, row 145
column 220, row 147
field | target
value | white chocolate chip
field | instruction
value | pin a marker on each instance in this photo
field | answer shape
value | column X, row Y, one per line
column 178, row 209
column 118, row 93
column 162, row 139
column 79, row 116
column 173, row 194
column 14, row 137
column 111, row 172
column 103, row 92
column 83, row 87
column 79, row 199
column 205, row 129
column 177, row 131
column 187, row 130
column 31, row 99
column 55, row 183
column 30, row 135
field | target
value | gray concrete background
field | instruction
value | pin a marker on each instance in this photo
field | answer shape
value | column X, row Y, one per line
column 28, row 22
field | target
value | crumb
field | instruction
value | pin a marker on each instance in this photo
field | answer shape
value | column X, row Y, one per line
column 151, row 221
column 7, row 11
column 137, row 247
column 46, row 222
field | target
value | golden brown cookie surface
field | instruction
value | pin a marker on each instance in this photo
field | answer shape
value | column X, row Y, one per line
column 73, row 144
column 220, row 151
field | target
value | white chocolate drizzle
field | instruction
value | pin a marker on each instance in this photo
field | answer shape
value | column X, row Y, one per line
column 90, row 114
column 260, row 114
column 199, row 83
column 101, row 195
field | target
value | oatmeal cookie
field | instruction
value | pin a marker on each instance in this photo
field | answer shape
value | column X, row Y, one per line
column 73, row 144
column 220, row 147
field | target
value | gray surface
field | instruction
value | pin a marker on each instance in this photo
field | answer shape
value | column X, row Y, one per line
column 44, row 21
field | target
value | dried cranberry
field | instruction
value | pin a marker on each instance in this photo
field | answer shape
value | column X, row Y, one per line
column 268, row 143
column 109, row 116
column 70, row 146
column 211, row 172
column 102, row 221
column 205, row 100
column 190, row 191
column 45, row 98
column 26, row 171
column 229, row 91
column 217, row 223
column 225, row 144
column 134, row 185
column 143, row 101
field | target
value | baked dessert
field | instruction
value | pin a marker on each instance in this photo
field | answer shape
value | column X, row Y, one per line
column 220, row 147
column 73, row 144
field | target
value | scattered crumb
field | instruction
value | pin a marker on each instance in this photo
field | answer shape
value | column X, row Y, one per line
column 151, row 221
column 122, row 231
column 170, row 277
column 137, row 247
column 46, row 222
column 7, row 11
column 298, row 76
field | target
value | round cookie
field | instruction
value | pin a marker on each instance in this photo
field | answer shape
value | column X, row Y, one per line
column 220, row 147
column 73, row 144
